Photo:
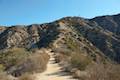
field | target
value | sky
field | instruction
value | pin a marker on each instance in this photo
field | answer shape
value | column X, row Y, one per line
column 24, row 12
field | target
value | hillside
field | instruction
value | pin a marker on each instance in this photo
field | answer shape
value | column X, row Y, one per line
column 87, row 49
column 100, row 34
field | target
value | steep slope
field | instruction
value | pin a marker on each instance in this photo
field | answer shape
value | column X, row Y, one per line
column 110, row 23
column 106, row 41
column 31, row 36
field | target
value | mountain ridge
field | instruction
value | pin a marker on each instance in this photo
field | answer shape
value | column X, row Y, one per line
column 101, row 32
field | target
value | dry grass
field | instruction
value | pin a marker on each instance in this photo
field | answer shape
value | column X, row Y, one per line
column 26, row 77
column 4, row 76
column 104, row 72
column 37, row 62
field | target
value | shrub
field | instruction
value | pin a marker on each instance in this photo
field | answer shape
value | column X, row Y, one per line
column 37, row 62
column 18, row 61
column 80, row 61
column 104, row 72
column 71, row 43
column 60, row 57
column 1, row 68
column 34, row 63
column 12, row 57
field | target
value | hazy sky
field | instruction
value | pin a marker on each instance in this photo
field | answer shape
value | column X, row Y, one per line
column 14, row 12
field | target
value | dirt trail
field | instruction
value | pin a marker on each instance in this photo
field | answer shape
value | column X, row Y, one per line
column 53, row 71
